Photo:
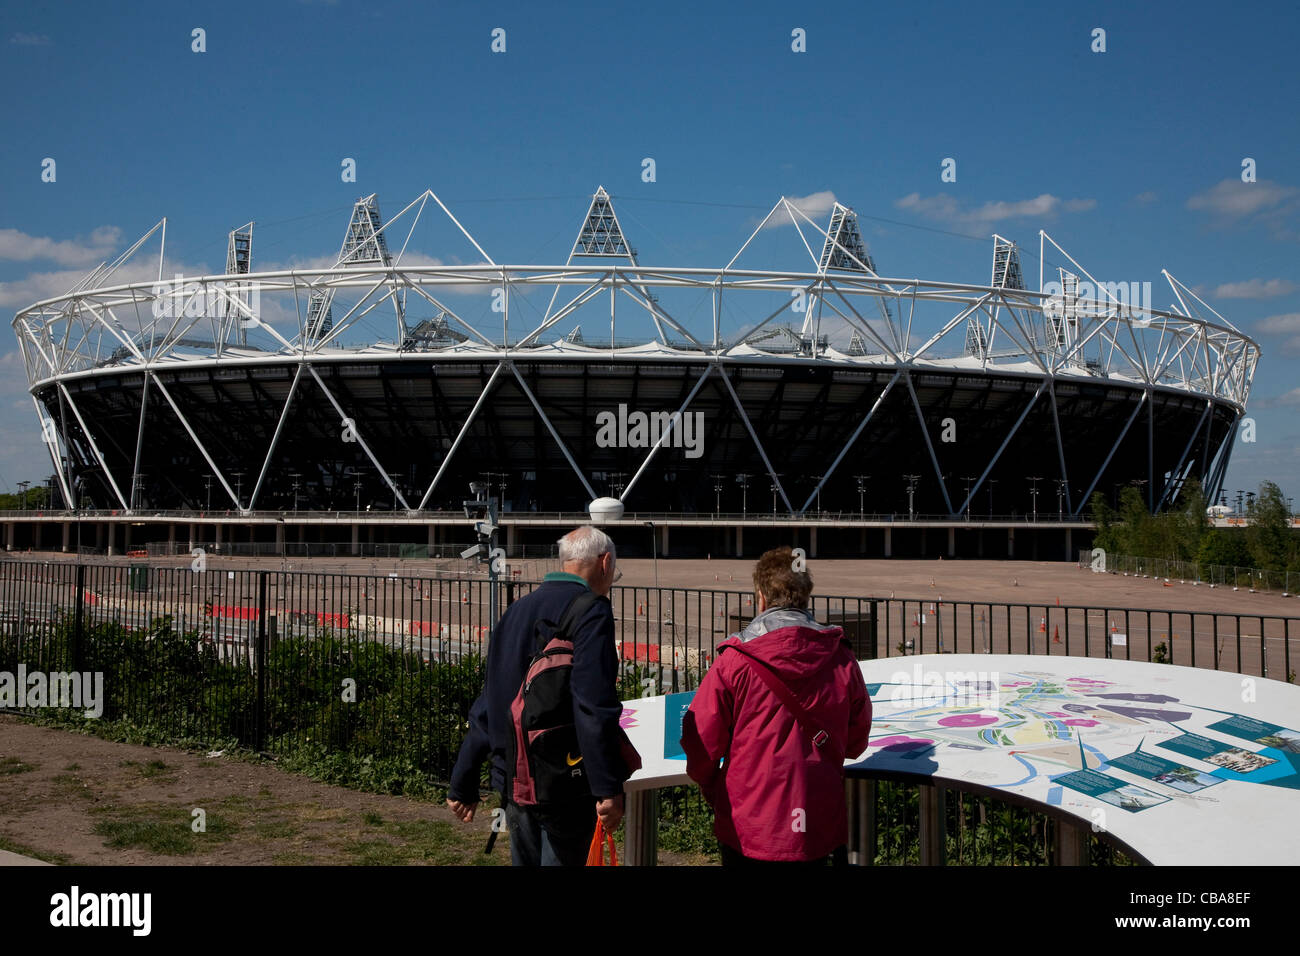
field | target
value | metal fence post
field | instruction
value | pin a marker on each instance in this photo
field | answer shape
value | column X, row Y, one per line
column 78, row 618
column 259, row 657
column 874, row 643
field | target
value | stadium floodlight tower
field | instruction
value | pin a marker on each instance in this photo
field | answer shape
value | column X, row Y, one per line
column 845, row 250
column 1006, row 275
column 239, row 261
column 363, row 244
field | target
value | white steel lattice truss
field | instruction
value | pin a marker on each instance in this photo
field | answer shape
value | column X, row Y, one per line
column 101, row 328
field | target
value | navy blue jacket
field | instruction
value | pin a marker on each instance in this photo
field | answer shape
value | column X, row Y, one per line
column 596, row 706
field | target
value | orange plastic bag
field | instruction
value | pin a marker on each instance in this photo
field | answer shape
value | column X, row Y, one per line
column 599, row 840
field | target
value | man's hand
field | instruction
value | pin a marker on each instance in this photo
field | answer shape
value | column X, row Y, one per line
column 465, row 811
column 610, row 812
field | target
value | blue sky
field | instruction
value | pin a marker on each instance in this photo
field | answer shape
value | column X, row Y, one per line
column 1130, row 158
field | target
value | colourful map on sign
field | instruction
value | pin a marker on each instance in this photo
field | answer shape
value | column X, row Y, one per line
column 1074, row 733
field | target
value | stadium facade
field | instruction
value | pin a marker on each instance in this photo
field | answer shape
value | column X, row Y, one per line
column 381, row 384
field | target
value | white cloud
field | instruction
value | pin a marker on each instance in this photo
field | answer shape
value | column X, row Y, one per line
column 18, row 246
column 1288, row 322
column 1286, row 399
column 945, row 208
column 30, row 39
column 815, row 206
column 1233, row 199
column 1145, row 198
column 1255, row 289
column 37, row 286
column 1288, row 325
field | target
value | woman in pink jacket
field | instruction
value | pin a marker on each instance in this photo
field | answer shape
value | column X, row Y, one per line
column 773, row 720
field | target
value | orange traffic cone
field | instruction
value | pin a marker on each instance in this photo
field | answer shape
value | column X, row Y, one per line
column 1042, row 625
column 1056, row 636
column 640, row 609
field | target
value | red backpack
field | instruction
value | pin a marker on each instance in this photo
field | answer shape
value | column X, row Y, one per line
column 544, row 761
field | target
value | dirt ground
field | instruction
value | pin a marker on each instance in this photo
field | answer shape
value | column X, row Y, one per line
column 1019, row 582
column 70, row 798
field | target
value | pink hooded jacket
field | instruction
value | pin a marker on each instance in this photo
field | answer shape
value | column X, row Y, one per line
column 777, row 796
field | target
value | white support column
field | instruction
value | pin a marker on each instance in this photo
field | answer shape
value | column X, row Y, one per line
column 9, row 535
column 1011, row 542
column 279, row 538
column 952, row 542
column 740, row 541
column 812, row 542
column 193, row 529
column 67, row 531
column 663, row 544
column 356, row 539
column 217, row 536
column 171, row 538
column 889, row 542
column 1069, row 548
column 510, row 538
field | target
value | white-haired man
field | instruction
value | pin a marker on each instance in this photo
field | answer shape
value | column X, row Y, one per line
column 553, row 835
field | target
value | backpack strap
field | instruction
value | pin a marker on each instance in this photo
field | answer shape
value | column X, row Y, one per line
column 785, row 696
column 575, row 612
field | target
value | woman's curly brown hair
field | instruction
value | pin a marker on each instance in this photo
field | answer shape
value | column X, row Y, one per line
column 781, row 584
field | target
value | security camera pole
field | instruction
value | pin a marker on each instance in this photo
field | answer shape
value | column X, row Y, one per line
column 483, row 511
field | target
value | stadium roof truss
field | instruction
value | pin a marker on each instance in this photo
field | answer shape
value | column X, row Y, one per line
column 101, row 328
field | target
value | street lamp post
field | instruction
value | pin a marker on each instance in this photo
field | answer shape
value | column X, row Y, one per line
column 22, row 486
column 969, row 480
column 862, row 488
column 717, row 495
column 911, row 495
column 743, row 480
column 991, row 483
column 1033, row 493
column 207, row 483
column 1060, row 499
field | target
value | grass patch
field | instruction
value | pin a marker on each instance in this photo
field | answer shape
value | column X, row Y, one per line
column 424, row 842
column 73, row 766
column 276, row 829
column 292, row 858
column 151, row 770
column 162, row 830
column 373, row 820
column 12, row 765
column 71, row 785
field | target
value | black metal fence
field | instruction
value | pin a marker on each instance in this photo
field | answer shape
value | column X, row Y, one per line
column 382, row 669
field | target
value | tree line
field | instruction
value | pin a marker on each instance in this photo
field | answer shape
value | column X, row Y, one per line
column 1184, row 532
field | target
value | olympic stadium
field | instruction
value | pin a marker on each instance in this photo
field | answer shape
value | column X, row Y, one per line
column 387, row 382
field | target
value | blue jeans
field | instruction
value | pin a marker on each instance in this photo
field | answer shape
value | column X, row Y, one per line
column 551, row 839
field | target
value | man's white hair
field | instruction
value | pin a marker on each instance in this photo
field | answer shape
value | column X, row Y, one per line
column 584, row 545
